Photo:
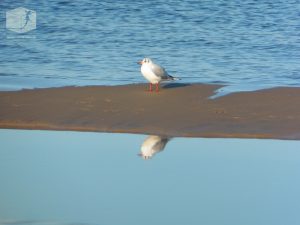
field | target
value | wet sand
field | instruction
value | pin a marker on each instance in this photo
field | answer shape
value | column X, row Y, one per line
column 177, row 110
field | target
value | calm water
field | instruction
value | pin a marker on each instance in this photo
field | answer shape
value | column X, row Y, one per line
column 247, row 44
column 62, row 178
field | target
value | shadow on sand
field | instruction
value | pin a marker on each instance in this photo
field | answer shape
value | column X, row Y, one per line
column 175, row 85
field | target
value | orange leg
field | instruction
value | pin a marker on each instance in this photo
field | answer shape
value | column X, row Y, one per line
column 150, row 87
column 157, row 87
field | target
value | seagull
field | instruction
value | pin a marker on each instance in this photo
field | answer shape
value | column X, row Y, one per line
column 152, row 145
column 154, row 73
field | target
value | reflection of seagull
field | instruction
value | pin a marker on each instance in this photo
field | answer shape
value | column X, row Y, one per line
column 27, row 18
column 154, row 73
column 152, row 145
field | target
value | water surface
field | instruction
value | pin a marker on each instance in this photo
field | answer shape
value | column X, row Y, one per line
column 245, row 44
column 50, row 177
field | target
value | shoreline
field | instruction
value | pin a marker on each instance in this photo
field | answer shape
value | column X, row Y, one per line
column 178, row 110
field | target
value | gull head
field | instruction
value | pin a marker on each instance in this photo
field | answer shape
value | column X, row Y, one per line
column 145, row 61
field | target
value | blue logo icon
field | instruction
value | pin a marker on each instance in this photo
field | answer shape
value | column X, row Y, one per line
column 21, row 20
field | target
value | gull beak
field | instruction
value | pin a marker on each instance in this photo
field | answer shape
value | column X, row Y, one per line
column 140, row 62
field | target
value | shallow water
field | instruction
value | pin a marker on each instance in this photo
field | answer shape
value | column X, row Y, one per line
column 246, row 44
column 51, row 177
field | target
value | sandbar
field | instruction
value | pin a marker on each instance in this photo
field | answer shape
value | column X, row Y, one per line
column 178, row 110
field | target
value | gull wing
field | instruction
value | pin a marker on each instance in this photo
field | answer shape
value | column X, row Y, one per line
column 159, row 71
column 160, row 145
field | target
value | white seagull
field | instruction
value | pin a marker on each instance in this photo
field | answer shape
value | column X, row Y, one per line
column 152, row 145
column 154, row 73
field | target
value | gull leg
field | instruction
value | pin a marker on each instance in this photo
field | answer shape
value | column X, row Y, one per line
column 157, row 87
column 150, row 87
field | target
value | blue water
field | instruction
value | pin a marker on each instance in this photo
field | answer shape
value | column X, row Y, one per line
column 245, row 44
column 60, row 178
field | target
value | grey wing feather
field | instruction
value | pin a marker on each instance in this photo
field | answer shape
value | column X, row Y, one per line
column 159, row 71
column 160, row 145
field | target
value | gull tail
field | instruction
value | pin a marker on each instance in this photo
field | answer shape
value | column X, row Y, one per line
column 173, row 78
